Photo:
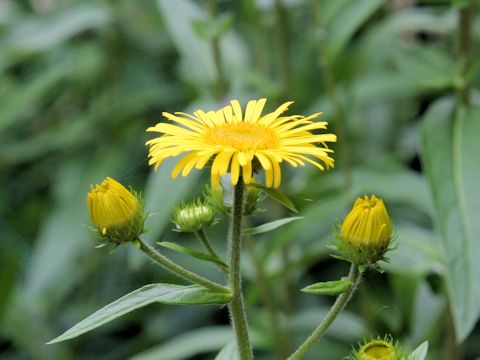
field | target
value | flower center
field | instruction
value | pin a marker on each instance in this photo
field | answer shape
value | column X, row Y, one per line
column 242, row 136
column 378, row 351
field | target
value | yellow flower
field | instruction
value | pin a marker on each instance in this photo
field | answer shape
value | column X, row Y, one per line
column 237, row 142
column 366, row 231
column 116, row 212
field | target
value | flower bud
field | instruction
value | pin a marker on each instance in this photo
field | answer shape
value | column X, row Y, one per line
column 116, row 212
column 193, row 217
column 380, row 349
column 366, row 232
column 253, row 197
column 221, row 198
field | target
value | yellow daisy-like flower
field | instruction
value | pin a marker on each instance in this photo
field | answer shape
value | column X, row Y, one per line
column 238, row 141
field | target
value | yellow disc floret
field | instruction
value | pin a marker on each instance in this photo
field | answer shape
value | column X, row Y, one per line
column 377, row 350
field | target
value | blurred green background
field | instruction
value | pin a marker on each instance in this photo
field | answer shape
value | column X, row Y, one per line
column 81, row 80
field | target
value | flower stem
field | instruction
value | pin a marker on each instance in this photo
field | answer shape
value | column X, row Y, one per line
column 202, row 236
column 176, row 269
column 237, row 307
column 335, row 310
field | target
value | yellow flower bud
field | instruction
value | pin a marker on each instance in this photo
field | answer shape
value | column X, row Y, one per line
column 193, row 217
column 115, row 211
column 366, row 232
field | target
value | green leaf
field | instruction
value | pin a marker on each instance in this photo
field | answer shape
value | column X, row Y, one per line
column 16, row 103
column 213, row 28
column 277, row 196
column 196, row 254
column 189, row 345
column 420, row 352
column 168, row 294
column 229, row 352
column 329, row 287
column 450, row 156
column 346, row 21
column 272, row 225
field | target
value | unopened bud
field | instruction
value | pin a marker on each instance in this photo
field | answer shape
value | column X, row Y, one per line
column 116, row 212
column 193, row 217
column 380, row 349
column 366, row 232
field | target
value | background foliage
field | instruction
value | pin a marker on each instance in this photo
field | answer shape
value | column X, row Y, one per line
column 81, row 81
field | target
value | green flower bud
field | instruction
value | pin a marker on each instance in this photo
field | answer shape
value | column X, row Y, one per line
column 221, row 198
column 380, row 349
column 193, row 217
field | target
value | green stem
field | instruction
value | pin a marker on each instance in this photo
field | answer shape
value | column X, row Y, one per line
column 202, row 236
column 176, row 269
column 217, row 58
column 330, row 87
column 281, row 346
column 335, row 310
column 237, row 308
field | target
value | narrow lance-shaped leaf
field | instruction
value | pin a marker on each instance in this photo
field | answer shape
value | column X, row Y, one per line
column 196, row 254
column 450, row 156
column 272, row 225
column 229, row 352
column 277, row 196
column 168, row 294
column 420, row 353
column 329, row 287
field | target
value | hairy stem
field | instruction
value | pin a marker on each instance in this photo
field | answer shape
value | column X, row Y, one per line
column 238, row 315
column 178, row 270
column 335, row 310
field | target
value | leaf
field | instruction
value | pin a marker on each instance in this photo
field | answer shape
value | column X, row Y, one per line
column 272, row 225
column 190, row 344
column 450, row 156
column 420, row 352
column 329, row 287
column 168, row 294
column 15, row 103
column 196, row 58
column 40, row 33
column 277, row 196
column 229, row 352
column 213, row 28
column 346, row 22
column 196, row 254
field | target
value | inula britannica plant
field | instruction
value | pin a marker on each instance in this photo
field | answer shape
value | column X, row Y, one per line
column 247, row 151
